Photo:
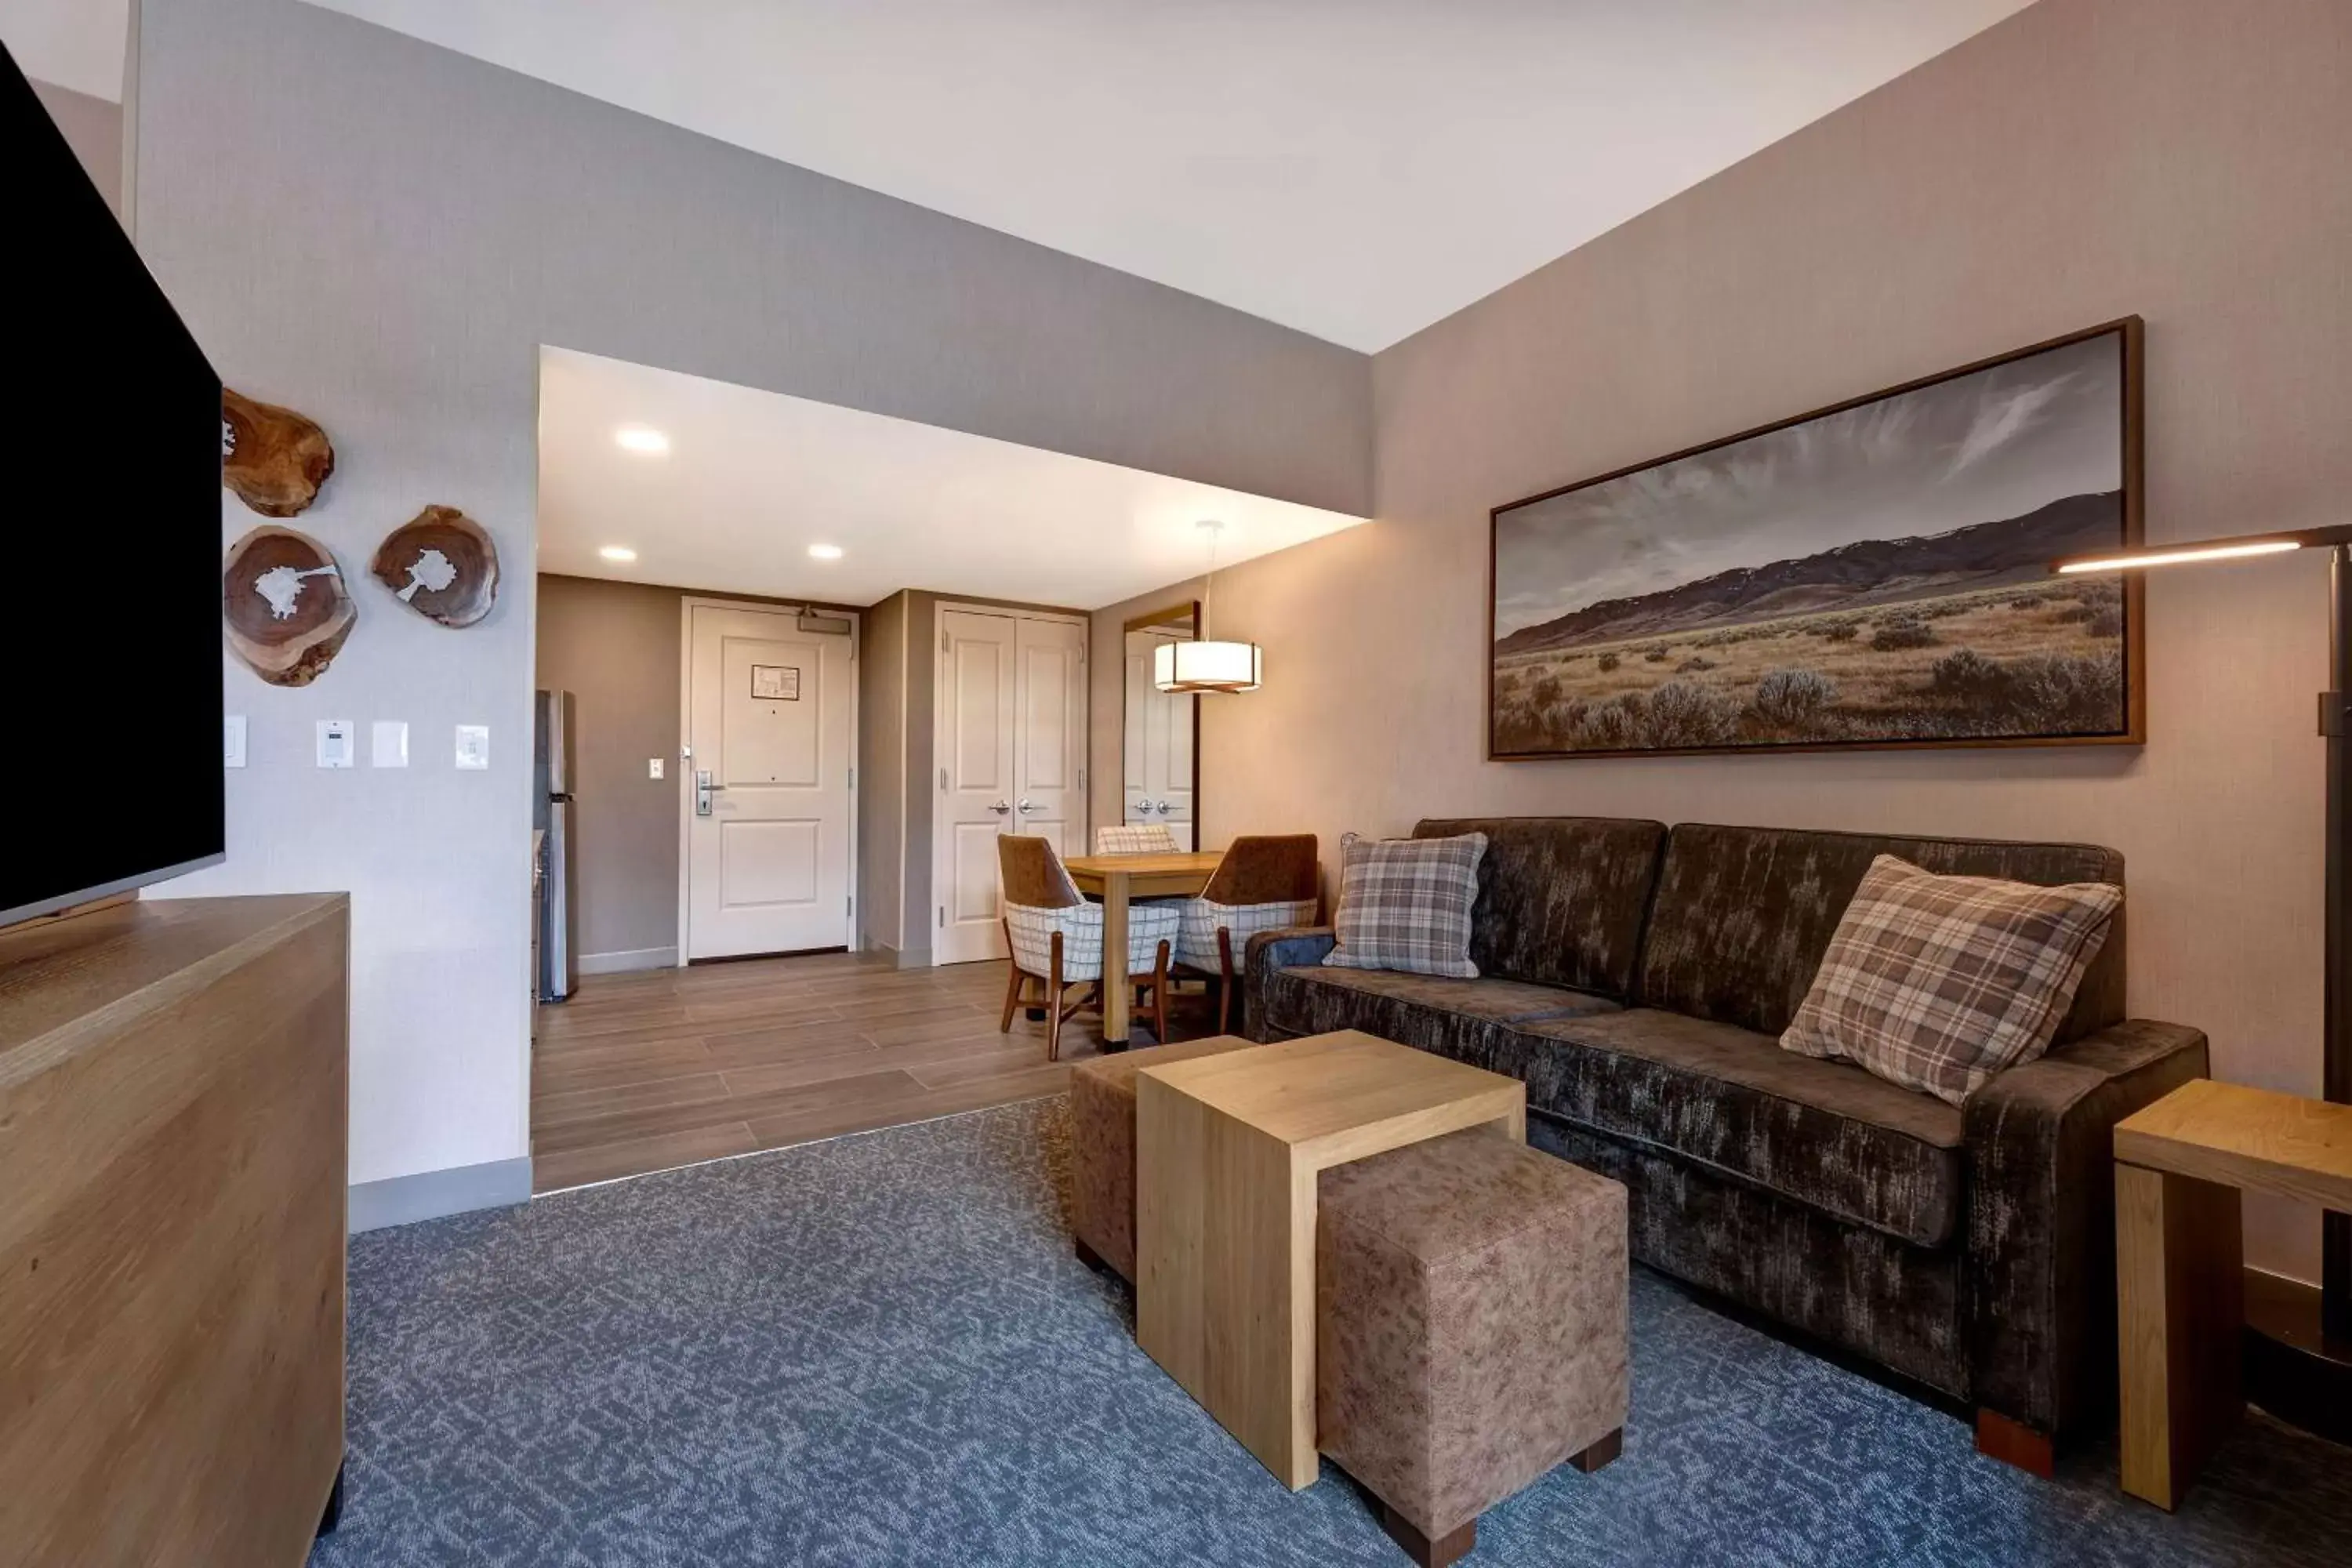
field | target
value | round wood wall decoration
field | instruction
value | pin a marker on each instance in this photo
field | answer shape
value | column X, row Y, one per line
column 274, row 459
column 285, row 605
column 442, row 564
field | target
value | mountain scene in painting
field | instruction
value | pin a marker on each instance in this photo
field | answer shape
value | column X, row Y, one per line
column 1881, row 573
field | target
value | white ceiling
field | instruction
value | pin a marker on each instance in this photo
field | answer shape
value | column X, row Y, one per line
column 753, row 479
column 1356, row 169
column 78, row 44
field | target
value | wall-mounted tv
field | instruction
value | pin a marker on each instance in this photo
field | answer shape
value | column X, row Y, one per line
column 110, row 556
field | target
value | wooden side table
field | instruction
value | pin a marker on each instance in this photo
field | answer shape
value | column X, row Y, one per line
column 2180, row 1166
column 1227, row 1151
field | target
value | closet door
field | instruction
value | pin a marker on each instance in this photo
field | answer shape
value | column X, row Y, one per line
column 1052, row 744
column 978, row 704
column 1012, row 740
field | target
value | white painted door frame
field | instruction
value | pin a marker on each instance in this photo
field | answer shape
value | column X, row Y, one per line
column 682, row 765
column 942, row 717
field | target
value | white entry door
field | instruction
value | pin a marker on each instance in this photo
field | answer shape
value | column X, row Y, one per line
column 1012, row 740
column 1158, row 750
column 771, row 730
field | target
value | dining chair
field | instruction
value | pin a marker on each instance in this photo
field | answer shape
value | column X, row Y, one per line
column 1056, row 940
column 1265, row 883
column 1135, row 838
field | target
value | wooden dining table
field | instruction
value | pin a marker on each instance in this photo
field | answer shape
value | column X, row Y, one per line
column 1118, row 878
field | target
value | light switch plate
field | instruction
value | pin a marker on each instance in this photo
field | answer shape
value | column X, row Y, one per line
column 653, row 767
column 232, row 741
column 338, row 741
column 474, row 746
column 389, row 746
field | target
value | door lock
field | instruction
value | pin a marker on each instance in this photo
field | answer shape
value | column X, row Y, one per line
column 703, row 790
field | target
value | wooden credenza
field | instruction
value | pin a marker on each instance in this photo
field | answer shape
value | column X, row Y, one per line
column 172, row 1127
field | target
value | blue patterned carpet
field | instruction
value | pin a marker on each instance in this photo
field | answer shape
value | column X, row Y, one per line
column 880, row 1350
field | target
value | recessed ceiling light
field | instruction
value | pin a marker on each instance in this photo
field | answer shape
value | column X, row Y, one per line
column 617, row 552
column 637, row 439
column 824, row 552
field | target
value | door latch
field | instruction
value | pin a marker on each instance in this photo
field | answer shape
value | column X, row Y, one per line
column 703, row 790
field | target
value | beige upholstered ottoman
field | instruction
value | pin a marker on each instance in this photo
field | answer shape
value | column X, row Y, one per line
column 1102, row 1147
column 1470, row 1329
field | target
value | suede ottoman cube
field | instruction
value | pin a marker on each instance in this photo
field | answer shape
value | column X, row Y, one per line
column 1102, row 1147
column 1470, row 1301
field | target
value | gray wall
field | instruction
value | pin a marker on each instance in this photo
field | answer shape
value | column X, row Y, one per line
column 2083, row 160
column 882, row 776
column 382, row 234
column 93, row 128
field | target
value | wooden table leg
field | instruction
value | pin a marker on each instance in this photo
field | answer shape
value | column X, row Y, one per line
column 1224, row 1289
column 2180, row 1305
column 1117, row 997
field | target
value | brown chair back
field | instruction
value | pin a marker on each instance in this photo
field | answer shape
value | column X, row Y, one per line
column 1276, row 869
column 1033, row 875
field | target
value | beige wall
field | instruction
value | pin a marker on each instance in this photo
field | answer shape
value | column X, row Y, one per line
column 2084, row 160
column 93, row 129
column 615, row 646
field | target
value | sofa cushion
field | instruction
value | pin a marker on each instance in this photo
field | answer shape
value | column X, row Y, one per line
column 1824, row 1134
column 1743, row 916
column 1468, row 1020
column 1938, row 982
column 1561, row 898
column 1404, row 904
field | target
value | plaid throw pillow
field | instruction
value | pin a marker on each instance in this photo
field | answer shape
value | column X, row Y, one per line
column 1404, row 904
column 1939, row 982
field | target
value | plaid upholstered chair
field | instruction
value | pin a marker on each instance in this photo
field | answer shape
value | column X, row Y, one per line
column 1057, row 937
column 1262, row 884
column 1135, row 838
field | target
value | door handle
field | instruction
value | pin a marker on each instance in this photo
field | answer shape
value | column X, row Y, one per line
column 1026, row 807
column 1000, row 808
column 703, row 790
column 1165, row 806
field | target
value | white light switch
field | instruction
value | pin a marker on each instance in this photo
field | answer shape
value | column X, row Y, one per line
column 474, row 746
column 389, row 747
column 653, row 767
column 232, row 741
column 338, row 740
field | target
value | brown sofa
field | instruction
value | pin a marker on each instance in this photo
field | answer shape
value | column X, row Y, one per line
column 1637, row 979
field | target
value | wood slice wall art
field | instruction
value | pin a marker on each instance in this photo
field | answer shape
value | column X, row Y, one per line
column 442, row 564
column 285, row 605
column 274, row 459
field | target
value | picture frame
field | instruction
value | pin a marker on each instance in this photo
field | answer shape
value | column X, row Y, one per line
column 775, row 683
column 1870, row 575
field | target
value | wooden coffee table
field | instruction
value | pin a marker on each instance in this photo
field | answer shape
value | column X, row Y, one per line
column 1227, row 1151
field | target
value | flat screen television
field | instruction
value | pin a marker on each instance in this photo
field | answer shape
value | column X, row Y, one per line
column 110, row 556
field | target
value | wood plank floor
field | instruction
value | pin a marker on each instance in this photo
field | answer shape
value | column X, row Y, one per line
column 645, row 1071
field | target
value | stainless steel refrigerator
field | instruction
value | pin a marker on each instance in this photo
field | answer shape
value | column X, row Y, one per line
column 554, row 771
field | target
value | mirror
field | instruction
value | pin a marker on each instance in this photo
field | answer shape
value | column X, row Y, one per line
column 1161, row 750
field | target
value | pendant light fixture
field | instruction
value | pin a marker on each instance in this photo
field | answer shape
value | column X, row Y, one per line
column 1203, row 665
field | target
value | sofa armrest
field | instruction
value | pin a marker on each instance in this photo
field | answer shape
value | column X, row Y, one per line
column 1269, row 951
column 2038, row 1300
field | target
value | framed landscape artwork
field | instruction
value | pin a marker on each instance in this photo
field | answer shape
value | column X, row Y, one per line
column 1874, row 574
